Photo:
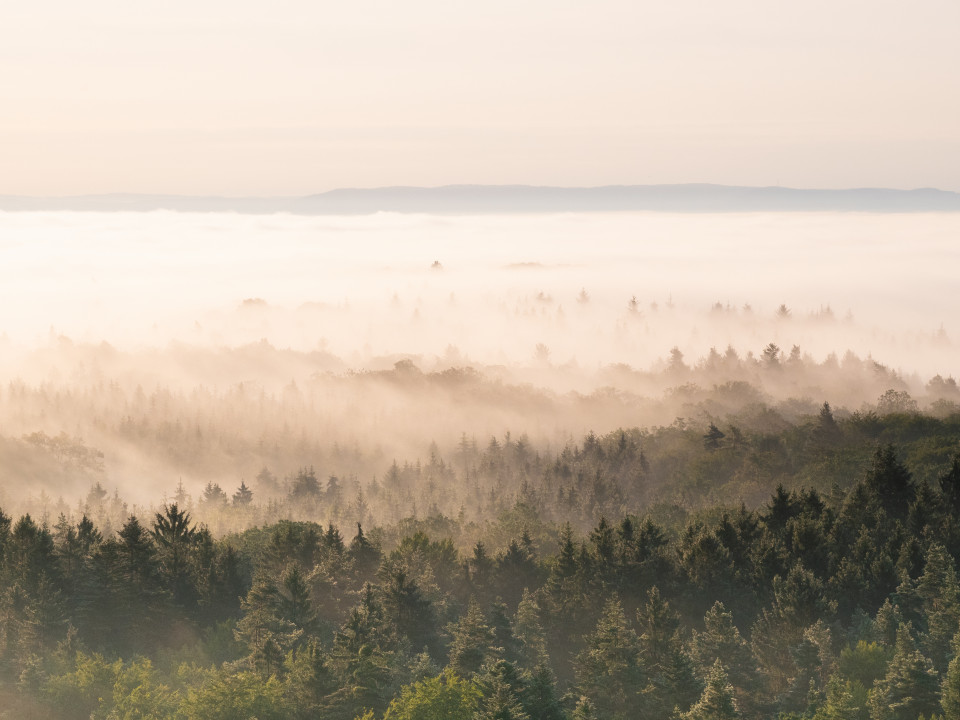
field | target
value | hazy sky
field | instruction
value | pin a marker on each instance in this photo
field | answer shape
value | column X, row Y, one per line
column 294, row 96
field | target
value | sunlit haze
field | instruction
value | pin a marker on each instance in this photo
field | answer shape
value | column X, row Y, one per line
column 292, row 327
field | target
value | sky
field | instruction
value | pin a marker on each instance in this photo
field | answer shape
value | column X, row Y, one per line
column 292, row 97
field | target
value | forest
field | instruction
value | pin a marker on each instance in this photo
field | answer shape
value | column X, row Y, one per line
column 592, row 584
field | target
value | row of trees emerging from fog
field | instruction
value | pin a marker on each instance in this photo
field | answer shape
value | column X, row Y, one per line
column 810, row 604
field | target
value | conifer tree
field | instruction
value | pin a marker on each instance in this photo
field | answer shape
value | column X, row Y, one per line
column 540, row 696
column 950, row 689
column 368, row 660
column 717, row 701
column 500, row 704
column 938, row 594
column 243, row 496
column 366, row 556
column 267, row 634
column 410, row 611
column 845, row 700
column 721, row 640
column 175, row 538
column 911, row 686
column 295, row 605
column 608, row 669
column 892, row 483
column 529, row 632
column 585, row 710
column 663, row 660
column 472, row 642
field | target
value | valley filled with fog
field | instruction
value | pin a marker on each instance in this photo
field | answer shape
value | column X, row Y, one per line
column 145, row 350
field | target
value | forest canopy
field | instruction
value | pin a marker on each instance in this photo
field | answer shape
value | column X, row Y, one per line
column 604, row 580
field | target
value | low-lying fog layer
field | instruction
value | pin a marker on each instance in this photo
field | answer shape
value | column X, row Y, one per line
column 266, row 332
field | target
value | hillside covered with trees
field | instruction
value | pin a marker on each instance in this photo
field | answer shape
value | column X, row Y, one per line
column 586, row 595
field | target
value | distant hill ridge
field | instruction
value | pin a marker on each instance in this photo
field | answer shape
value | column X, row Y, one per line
column 485, row 199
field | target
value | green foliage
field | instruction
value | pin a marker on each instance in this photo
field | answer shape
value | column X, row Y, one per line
column 911, row 686
column 621, row 618
column 230, row 696
column 845, row 700
column 864, row 663
column 721, row 640
column 950, row 691
column 608, row 669
column 669, row 676
column 139, row 693
column 717, row 701
column 438, row 698
column 472, row 642
column 83, row 691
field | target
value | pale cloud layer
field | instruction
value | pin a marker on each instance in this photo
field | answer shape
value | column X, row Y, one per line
column 363, row 287
column 294, row 97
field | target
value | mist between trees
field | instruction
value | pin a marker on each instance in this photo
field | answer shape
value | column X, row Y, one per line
column 405, row 441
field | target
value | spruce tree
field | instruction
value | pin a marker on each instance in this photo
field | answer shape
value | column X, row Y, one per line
column 717, row 701
column 721, row 640
column 950, row 689
column 608, row 669
column 472, row 642
column 663, row 660
column 911, row 686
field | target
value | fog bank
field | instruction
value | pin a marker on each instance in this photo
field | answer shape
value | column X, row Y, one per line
column 201, row 347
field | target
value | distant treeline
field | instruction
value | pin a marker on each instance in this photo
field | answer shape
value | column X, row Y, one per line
column 475, row 199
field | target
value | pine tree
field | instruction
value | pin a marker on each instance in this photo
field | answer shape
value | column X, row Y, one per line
column 845, row 700
column 950, row 487
column 892, row 483
column 410, row 611
column 529, row 632
column 480, row 569
column 503, row 689
column 516, row 570
column 911, row 686
column 608, row 669
column 368, row 661
column 176, row 538
column 295, row 605
column 826, row 432
column 540, row 696
column 243, row 496
column 721, row 640
column 938, row 593
column 267, row 634
column 500, row 703
column 128, row 600
column 663, row 661
column 950, row 689
column 508, row 646
column 214, row 496
column 717, row 701
column 366, row 556
column 585, row 710
column 472, row 642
